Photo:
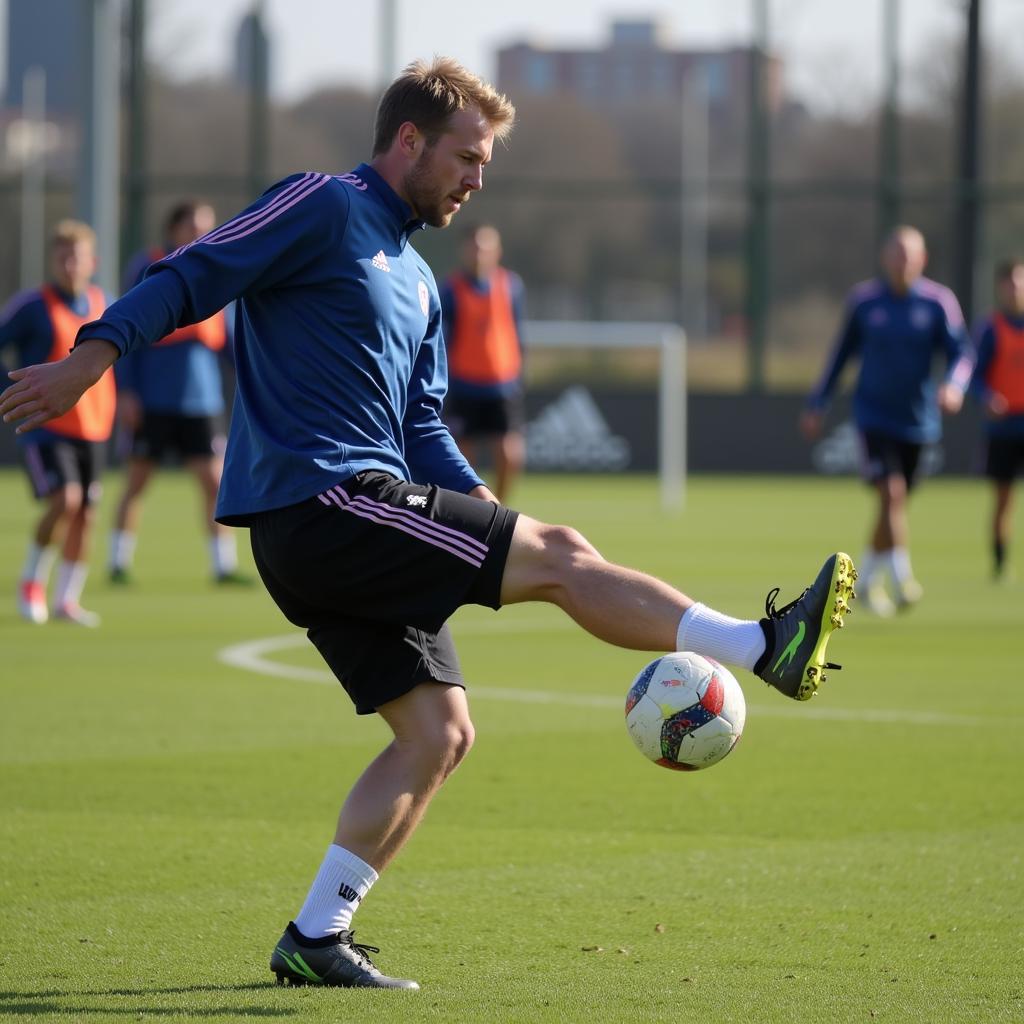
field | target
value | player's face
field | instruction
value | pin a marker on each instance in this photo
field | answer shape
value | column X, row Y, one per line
column 1011, row 292
column 481, row 253
column 903, row 260
column 191, row 228
column 444, row 175
column 72, row 265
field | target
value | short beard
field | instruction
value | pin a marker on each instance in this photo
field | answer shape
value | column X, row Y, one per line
column 422, row 196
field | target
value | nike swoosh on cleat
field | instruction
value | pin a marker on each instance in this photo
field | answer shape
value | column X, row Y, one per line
column 789, row 653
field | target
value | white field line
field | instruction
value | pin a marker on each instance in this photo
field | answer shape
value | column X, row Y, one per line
column 252, row 656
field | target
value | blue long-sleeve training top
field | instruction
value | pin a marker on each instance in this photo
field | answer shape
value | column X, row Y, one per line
column 897, row 338
column 1011, row 426
column 340, row 363
column 182, row 378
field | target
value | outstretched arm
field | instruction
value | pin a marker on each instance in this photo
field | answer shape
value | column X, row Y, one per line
column 46, row 390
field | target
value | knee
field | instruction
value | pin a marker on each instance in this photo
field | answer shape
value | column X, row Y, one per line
column 442, row 748
column 67, row 502
column 563, row 551
column 459, row 737
column 564, row 547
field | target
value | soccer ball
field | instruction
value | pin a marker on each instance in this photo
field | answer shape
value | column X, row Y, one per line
column 685, row 712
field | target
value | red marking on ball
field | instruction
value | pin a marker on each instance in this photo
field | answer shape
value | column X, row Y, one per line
column 714, row 696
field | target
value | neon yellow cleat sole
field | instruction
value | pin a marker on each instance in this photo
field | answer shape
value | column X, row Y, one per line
column 797, row 635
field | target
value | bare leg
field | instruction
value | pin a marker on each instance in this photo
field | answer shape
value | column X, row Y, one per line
column 207, row 472
column 1001, row 518
column 79, row 534
column 62, row 505
column 619, row 605
column 129, row 508
column 509, row 455
column 890, row 529
column 433, row 733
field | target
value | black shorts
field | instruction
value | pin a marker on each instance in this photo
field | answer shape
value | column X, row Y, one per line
column 373, row 568
column 483, row 417
column 189, row 437
column 54, row 463
column 884, row 455
column 1004, row 458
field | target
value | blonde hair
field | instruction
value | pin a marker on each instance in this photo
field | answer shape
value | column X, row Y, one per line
column 428, row 95
column 70, row 232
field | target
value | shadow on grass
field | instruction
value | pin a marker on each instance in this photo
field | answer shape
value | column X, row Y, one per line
column 31, row 1004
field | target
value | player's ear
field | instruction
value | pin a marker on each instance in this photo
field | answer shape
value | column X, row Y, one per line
column 410, row 140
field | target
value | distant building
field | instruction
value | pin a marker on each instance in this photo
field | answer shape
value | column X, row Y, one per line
column 634, row 67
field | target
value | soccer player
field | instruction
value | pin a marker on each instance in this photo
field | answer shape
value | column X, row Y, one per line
column 368, row 526
column 64, row 459
column 999, row 383
column 895, row 324
column 170, row 397
column 482, row 317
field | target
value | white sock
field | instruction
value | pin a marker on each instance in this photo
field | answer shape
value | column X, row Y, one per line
column 705, row 631
column 223, row 553
column 122, row 549
column 38, row 563
column 899, row 565
column 70, row 581
column 867, row 567
column 340, row 884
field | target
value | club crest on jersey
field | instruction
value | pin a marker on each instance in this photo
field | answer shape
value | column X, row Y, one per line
column 920, row 316
column 424, row 298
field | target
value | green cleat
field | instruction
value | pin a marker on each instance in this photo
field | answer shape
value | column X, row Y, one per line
column 796, row 636
column 337, row 961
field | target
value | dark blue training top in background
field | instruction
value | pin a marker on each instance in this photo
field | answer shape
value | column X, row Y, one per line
column 897, row 338
column 338, row 350
column 182, row 379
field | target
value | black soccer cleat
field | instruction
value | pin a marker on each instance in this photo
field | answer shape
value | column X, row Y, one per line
column 335, row 960
column 796, row 636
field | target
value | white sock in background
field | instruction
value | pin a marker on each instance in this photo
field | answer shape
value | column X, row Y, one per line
column 122, row 549
column 705, row 631
column 868, row 566
column 38, row 563
column 341, row 883
column 899, row 565
column 71, row 578
column 223, row 553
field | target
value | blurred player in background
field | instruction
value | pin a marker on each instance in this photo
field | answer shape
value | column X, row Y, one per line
column 895, row 324
column 170, row 399
column 64, row 459
column 368, row 525
column 998, row 383
column 482, row 314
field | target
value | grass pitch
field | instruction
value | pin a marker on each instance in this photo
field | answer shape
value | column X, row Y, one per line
column 856, row 859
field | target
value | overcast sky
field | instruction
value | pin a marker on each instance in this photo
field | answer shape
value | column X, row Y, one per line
column 831, row 46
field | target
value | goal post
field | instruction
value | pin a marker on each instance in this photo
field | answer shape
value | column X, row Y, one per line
column 669, row 341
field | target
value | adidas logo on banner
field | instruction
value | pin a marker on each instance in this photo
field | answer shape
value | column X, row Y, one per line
column 840, row 452
column 380, row 261
column 571, row 434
